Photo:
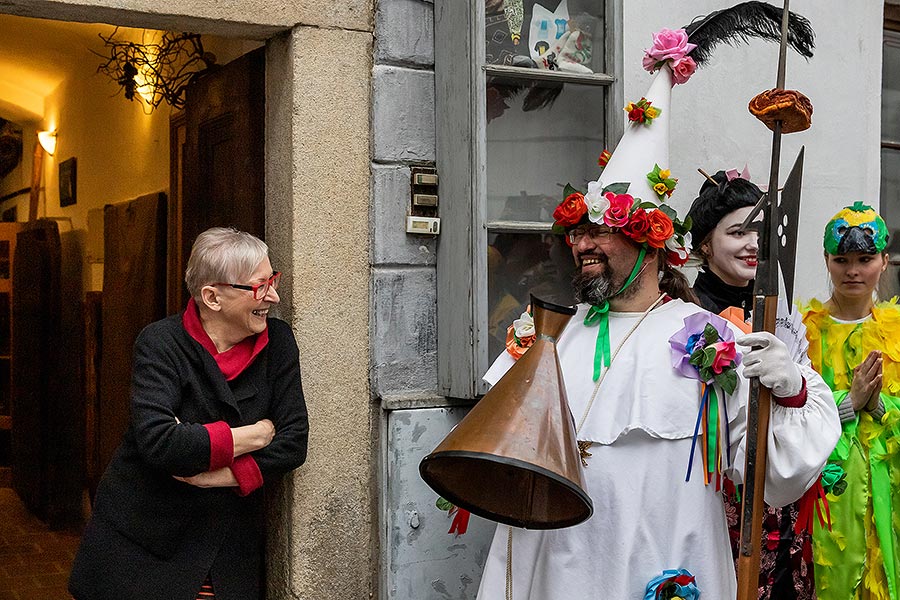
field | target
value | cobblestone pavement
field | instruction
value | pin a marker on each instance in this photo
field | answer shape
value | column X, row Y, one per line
column 34, row 561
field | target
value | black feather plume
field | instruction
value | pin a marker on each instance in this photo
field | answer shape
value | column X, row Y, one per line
column 744, row 21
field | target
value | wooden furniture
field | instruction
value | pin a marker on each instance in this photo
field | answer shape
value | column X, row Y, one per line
column 7, row 250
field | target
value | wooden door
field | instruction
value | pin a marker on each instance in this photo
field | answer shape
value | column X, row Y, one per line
column 134, row 295
column 222, row 173
column 36, row 346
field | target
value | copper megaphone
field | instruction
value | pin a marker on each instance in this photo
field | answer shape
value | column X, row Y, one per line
column 514, row 459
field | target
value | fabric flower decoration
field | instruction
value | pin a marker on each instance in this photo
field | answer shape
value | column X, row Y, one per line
column 662, row 181
column 677, row 257
column 683, row 69
column 524, row 325
column 673, row 584
column 637, row 226
column 704, row 350
column 604, row 158
column 659, row 228
column 834, row 479
column 617, row 214
column 653, row 224
column 596, row 201
column 672, row 47
column 520, row 336
column 642, row 111
column 670, row 44
column 571, row 210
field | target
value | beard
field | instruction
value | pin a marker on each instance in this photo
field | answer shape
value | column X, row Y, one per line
column 595, row 289
column 592, row 289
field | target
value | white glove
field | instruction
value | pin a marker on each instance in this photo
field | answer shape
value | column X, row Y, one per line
column 770, row 360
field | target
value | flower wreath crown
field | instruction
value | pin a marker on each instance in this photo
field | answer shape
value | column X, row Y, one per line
column 648, row 223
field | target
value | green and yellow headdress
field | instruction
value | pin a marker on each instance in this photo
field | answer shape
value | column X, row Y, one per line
column 856, row 228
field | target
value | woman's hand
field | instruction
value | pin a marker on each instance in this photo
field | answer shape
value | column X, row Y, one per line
column 266, row 430
column 219, row 478
column 251, row 438
column 866, row 385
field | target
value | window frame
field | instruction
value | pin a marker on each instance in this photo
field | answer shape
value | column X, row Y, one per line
column 461, row 157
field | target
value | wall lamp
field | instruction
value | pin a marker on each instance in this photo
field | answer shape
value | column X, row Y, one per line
column 47, row 140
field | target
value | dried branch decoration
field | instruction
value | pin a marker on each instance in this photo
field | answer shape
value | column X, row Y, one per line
column 156, row 72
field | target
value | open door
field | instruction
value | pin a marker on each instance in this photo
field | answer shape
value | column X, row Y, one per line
column 221, row 179
column 134, row 295
column 217, row 178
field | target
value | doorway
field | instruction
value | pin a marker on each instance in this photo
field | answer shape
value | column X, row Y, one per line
column 88, row 196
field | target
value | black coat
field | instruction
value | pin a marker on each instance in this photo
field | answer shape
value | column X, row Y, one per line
column 152, row 537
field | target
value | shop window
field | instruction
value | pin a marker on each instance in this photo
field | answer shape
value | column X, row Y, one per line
column 526, row 101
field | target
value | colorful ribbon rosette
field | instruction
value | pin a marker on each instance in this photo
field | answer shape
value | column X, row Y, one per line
column 833, row 480
column 520, row 335
column 704, row 350
column 460, row 516
column 673, row 584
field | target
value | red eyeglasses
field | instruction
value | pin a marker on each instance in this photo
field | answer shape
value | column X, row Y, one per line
column 260, row 289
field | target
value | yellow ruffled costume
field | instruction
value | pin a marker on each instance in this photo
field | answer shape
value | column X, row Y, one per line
column 859, row 559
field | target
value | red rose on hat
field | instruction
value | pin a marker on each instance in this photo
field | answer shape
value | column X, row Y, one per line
column 659, row 228
column 570, row 211
column 637, row 226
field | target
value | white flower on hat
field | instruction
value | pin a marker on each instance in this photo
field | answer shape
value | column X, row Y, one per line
column 677, row 251
column 596, row 202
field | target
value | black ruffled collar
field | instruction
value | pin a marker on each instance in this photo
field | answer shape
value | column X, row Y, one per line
column 716, row 295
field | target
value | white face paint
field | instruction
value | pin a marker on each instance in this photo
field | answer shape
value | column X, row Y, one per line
column 731, row 253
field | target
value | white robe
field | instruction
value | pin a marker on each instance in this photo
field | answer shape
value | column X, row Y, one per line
column 646, row 517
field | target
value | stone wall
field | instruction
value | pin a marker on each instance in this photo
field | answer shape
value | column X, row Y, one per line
column 404, row 344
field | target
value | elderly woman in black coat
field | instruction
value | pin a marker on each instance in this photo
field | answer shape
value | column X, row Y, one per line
column 217, row 411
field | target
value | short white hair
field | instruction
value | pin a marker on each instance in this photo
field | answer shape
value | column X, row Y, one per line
column 223, row 255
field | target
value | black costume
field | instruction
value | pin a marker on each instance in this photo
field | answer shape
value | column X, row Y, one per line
column 156, row 538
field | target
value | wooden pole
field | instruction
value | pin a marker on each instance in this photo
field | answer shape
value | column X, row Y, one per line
column 759, row 403
column 37, row 166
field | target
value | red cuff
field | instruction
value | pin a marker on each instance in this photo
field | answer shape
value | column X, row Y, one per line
column 247, row 473
column 794, row 401
column 221, row 445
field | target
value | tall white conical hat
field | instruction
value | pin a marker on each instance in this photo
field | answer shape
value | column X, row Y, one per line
column 643, row 145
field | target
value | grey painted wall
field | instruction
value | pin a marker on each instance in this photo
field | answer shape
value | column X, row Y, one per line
column 404, row 343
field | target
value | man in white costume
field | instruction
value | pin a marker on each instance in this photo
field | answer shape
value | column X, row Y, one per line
column 646, row 517
column 635, row 413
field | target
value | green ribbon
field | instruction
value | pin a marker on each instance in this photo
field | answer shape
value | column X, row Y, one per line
column 602, row 352
column 712, row 431
column 599, row 315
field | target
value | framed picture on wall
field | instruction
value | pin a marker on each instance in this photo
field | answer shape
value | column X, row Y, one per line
column 67, row 182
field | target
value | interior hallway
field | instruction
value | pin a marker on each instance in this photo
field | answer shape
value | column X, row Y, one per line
column 34, row 561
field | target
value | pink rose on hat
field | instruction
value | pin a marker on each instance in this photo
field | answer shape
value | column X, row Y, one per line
column 671, row 46
column 683, row 69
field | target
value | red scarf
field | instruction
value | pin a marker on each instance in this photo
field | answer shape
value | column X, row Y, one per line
column 233, row 361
